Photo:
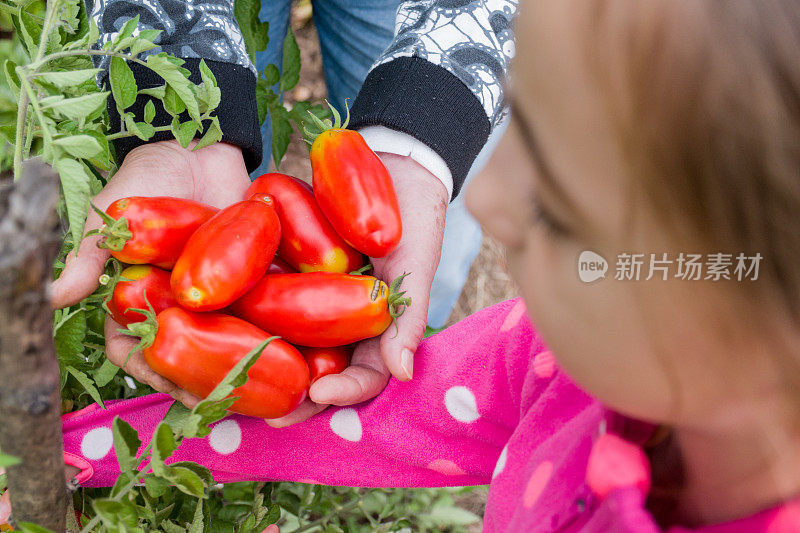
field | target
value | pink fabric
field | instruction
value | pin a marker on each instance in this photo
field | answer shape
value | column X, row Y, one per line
column 487, row 405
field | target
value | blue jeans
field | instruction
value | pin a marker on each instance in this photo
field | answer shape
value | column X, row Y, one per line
column 352, row 34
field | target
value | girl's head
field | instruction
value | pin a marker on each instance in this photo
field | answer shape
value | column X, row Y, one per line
column 658, row 127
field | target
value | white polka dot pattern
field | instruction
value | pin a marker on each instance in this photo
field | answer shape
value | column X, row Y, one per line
column 97, row 443
column 501, row 462
column 461, row 404
column 225, row 437
column 346, row 424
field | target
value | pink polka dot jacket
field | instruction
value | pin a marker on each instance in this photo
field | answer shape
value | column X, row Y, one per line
column 487, row 405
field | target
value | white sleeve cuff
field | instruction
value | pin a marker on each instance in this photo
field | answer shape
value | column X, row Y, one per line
column 383, row 139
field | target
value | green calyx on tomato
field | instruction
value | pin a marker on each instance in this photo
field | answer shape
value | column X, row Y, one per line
column 396, row 299
column 325, row 125
column 146, row 330
column 115, row 232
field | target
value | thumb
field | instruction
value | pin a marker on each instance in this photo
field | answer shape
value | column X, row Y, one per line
column 82, row 272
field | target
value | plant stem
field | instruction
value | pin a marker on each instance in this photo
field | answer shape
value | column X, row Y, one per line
column 49, row 16
column 28, row 137
column 319, row 521
column 22, row 114
column 35, row 104
column 36, row 65
column 122, row 134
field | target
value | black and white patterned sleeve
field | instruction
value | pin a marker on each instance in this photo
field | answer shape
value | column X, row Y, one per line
column 192, row 30
column 441, row 79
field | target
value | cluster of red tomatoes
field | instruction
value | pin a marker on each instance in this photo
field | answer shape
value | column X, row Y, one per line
column 284, row 261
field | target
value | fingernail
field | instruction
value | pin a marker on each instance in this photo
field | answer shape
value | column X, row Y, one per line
column 319, row 393
column 407, row 362
column 276, row 423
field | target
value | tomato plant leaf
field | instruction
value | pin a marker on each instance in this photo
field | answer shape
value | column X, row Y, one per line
column 149, row 35
column 123, row 83
column 197, row 521
column 142, row 45
column 69, row 333
column 186, row 480
column 126, row 444
column 89, row 38
column 143, row 130
column 172, row 102
column 281, row 132
column 177, row 78
column 176, row 416
column 291, row 62
column 200, row 470
column 155, row 486
column 184, row 132
column 149, row 112
column 114, row 513
column 155, row 92
column 31, row 31
column 208, row 94
column 69, row 78
column 163, row 446
column 125, row 32
column 9, row 67
column 212, row 135
column 103, row 159
column 79, row 145
column 172, row 527
column 272, row 75
column 75, row 184
column 274, row 513
column 106, row 372
column 87, row 384
column 254, row 32
column 77, row 108
column 261, row 101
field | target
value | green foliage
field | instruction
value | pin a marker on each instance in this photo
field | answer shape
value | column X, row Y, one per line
column 61, row 113
column 269, row 87
column 255, row 32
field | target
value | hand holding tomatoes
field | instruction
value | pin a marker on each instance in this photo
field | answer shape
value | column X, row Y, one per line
column 215, row 175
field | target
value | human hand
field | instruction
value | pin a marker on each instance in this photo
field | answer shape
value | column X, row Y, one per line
column 215, row 175
column 423, row 202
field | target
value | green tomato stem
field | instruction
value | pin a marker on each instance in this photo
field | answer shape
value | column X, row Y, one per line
column 49, row 15
column 22, row 115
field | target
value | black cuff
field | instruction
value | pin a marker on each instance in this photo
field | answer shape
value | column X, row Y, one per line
column 237, row 112
column 426, row 101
